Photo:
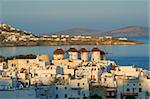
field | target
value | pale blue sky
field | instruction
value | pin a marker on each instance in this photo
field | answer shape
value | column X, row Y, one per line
column 50, row 16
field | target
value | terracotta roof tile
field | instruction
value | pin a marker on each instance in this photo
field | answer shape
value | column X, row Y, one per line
column 95, row 49
column 83, row 50
column 72, row 50
column 59, row 51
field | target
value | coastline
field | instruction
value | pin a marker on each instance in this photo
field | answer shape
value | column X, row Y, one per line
column 59, row 43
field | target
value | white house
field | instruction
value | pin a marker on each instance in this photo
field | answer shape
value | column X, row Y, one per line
column 77, row 88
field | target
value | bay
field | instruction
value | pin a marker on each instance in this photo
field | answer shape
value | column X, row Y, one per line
column 135, row 55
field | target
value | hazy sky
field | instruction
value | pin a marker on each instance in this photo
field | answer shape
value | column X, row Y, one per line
column 45, row 16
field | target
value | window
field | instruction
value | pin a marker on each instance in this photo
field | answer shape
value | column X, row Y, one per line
column 112, row 93
column 56, row 88
column 133, row 84
column 147, row 93
column 42, row 94
column 140, row 89
column 35, row 74
column 83, row 83
column 109, row 93
column 78, row 84
column 133, row 89
column 27, row 61
column 78, row 92
column 65, row 95
column 84, row 95
column 93, row 59
column 128, row 89
column 56, row 95
column 65, row 87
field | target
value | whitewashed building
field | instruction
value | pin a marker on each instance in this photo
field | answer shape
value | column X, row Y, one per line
column 77, row 88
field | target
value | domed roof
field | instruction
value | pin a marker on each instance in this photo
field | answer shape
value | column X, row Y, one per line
column 95, row 49
column 72, row 50
column 83, row 50
column 59, row 51
column 98, row 50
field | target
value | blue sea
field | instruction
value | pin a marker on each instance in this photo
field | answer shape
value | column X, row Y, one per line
column 133, row 55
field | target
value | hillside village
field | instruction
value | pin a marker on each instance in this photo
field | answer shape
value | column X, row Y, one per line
column 10, row 36
column 72, row 74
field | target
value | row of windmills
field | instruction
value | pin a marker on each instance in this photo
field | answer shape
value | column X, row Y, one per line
column 83, row 54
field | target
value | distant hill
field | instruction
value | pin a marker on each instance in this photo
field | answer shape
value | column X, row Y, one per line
column 78, row 31
column 125, row 31
column 131, row 31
